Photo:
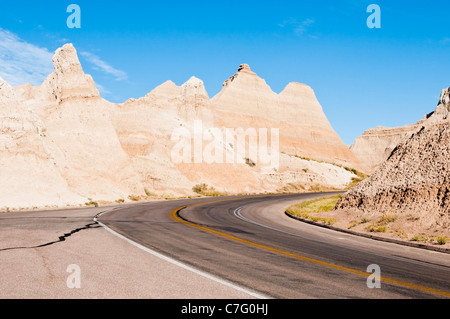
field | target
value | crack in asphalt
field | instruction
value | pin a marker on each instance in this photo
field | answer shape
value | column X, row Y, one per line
column 60, row 238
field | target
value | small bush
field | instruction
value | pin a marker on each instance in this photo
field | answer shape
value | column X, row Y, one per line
column 91, row 203
column 381, row 229
column 353, row 224
column 250, row 162
column 134, row 198
column 388, row 218
column 442, row 240
column 377, row 229
column 419, row 237
column 200, row 188
column 205, row 190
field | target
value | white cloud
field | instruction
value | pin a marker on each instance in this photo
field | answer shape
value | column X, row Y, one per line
column 101, row 65
column 300, row 28
column 102, row 89
column 22, row 62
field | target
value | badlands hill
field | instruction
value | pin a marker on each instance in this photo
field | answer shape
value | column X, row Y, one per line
column 410, row 191
column 62, row 143
column 246, row 100
column 375, row 145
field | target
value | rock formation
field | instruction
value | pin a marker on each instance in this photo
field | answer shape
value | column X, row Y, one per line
column 414, row 182
column 375, row 145
column 247, row 101
column 62, row 143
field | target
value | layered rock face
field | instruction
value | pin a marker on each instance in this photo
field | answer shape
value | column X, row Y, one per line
column 246, row 100
column 414, row 182
column 63, row 139
column 375, row 145
column 62, row 143
column 29, row 175
column 145, row 127
column 80, row 133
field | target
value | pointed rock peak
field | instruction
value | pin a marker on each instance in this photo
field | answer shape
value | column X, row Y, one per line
column 194, row 87
column 166, row 86
column 168, row 90
column 445, row 97
column 193, row 82
column 68, row 81
column 66, row 58
column 244, row 67
column 297, row 88
column 169, row 84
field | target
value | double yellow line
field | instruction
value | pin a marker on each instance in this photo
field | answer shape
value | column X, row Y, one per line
column 174, row 214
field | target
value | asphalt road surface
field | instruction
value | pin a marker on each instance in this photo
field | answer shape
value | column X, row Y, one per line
column 249, row 242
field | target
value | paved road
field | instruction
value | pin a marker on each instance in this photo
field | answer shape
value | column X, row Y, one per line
column 249, row 242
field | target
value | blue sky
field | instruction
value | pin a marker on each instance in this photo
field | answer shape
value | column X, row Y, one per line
column 362, row 77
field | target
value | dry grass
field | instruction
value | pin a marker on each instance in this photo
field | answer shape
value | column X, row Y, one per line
column 205, row 190
column 309, row 210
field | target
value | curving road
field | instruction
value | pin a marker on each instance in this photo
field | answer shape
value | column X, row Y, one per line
column 249, row 242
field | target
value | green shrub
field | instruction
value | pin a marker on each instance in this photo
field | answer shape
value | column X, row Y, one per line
column 205, row 190
column 134, row 198
column 91, row 203
column 442, row 240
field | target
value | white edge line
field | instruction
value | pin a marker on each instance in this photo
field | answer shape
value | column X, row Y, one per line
column 237, row 213
column 179, row 264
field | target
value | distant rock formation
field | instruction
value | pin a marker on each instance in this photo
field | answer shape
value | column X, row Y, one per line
column 375, row 145
column 414, row 182
column 62, row 143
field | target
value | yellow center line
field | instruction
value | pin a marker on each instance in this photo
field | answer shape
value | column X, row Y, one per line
column 174, row 215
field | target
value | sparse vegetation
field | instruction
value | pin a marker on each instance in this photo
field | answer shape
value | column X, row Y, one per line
column 134, row 198
column 420, row 237
column 150, row 194
column 120, row 201
column 401, row 233
column 250, row 162
column 360, row 176
column 91, row 203
column 442, row 240
column 381, row 225
column 387, row 218
column 309, row 210
column 353, row 224
column 377, row 229
column 205, row 190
